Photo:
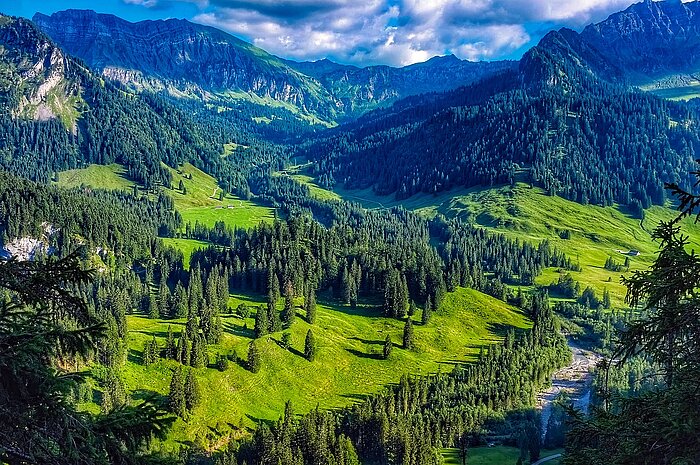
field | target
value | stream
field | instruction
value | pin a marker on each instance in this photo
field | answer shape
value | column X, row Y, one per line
column 575, row 379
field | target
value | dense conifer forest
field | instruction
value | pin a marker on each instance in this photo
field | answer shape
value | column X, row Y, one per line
column 120, row 321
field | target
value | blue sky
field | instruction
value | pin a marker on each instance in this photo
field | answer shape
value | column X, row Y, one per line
column 362, row 32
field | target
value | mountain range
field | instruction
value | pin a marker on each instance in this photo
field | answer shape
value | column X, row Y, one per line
column 185, row 59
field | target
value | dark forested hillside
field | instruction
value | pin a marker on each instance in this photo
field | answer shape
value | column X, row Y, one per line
column 567, row 122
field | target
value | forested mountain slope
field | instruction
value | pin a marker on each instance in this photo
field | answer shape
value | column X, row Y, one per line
column 567, row 121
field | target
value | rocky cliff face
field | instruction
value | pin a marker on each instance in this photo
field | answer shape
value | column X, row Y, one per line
column 650, row 39
column 182, row 57
column 650, row 42
column 36, row 78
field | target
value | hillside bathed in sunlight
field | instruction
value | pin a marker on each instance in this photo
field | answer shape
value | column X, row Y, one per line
column 349, row 233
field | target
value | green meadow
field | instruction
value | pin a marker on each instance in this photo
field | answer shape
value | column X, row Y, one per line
column 349, row 364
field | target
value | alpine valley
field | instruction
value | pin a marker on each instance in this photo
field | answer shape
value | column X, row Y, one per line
column 214, row 255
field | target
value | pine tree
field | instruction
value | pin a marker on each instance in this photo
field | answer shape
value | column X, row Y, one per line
column 310, row 346
column 254, row 361
column 274, row 322
column 170, row 350
column 199, row 356
column 388, row 345
column 153, row 311
column 425, row 315
column 412, row 308
column 176, row 396
column 310, row 306
column 183, row 349
column 180, row 304
column 289, row 312
column 261, row 323
column 192, row 393
column 164, row 299
column 606, row 298
column 408, row 335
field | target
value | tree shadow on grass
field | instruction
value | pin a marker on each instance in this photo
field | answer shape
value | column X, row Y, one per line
column 290, row 348
column 135, row 356
column 239, row 330
column 151, row 395
column 367, row 341
column 365, row 355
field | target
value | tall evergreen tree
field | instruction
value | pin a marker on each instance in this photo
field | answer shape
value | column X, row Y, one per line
column 388, row 345
column 193, row 395
column 408, row 334
column 310, row 346
column 254, row 361
column 176, row 395
column 261, row 324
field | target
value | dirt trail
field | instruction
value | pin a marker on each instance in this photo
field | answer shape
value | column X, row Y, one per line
column 574, row 379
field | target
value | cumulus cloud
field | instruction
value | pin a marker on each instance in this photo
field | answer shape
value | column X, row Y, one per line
column 395, row 32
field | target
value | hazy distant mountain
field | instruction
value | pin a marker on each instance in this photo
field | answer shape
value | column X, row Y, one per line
column 362, row 89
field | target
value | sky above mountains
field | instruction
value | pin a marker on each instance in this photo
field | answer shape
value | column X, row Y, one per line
column 363, row 32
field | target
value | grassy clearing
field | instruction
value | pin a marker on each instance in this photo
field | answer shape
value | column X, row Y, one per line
column 529, row 214
column 348, row 367
column 186, row 246
column 298, row 174
column 201, row 203
column 498, row 455
column 110, row 177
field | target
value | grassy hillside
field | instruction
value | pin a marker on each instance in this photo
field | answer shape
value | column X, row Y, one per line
column 111, row 177
column 200, row 201
column 348, row 366
column 530, row 214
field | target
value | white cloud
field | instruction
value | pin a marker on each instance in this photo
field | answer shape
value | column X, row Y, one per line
column 396, row 32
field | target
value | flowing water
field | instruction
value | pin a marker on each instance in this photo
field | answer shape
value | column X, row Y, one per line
column 574, row 379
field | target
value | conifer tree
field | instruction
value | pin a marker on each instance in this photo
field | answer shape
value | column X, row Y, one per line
column 310, row 306
column 170, row 347
column 408, row 334
column 289, row 312
column 199, row 356
column 388, row 345
column 261, row 323
column 193, row 394
column 153, row 311
column 176, row 396
column 254, row 361
column 183, row 349
column 180, row 304
column 310, row 346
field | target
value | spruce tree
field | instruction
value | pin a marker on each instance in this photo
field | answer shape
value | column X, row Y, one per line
column 153, row 311
column 170, row 347
column 180, row 304
column 289, row 312
column 183, row 349
column 388, row 345
column 192, row 392
column 261, row 323
column 310, row 346
column 310, row 306
column 199, row 356
column 408, row 334
column 176, row 396
column 254, row 361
